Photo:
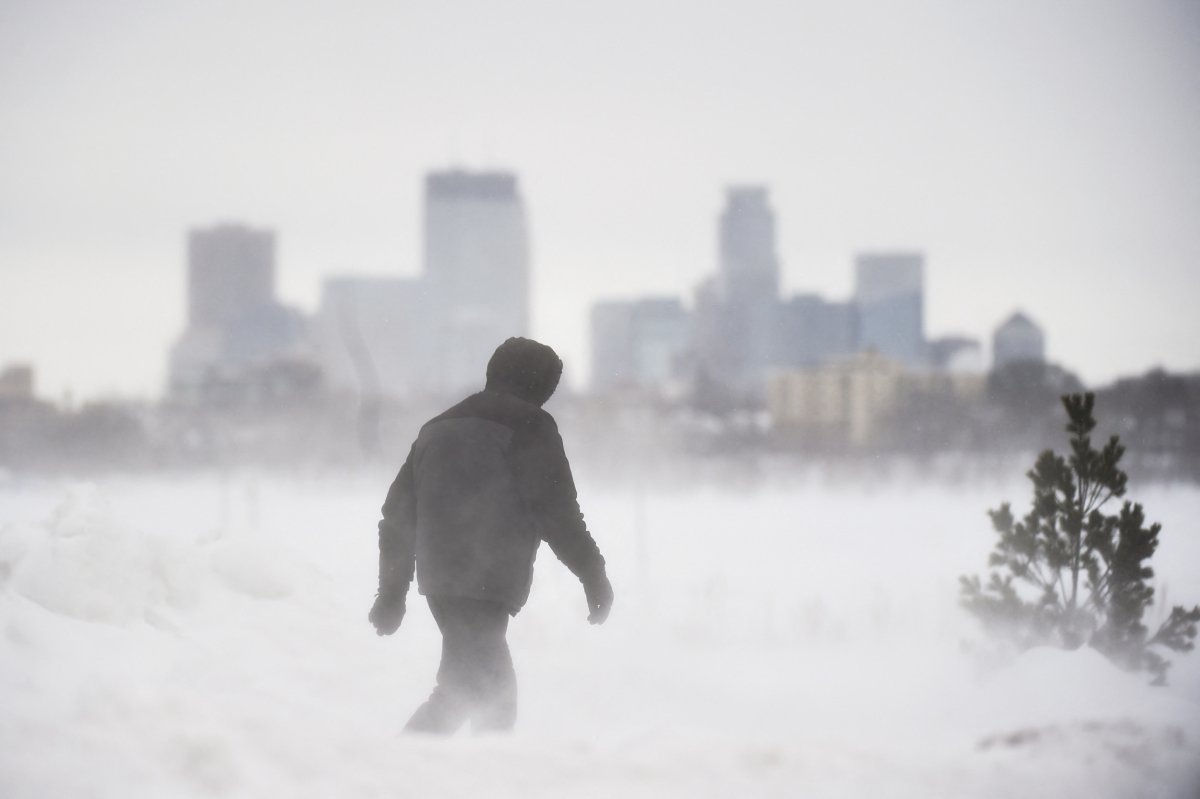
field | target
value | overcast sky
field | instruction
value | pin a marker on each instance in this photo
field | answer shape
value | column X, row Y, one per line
column 1044, row 155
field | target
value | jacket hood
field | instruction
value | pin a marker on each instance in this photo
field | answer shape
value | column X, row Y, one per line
column 526, row 369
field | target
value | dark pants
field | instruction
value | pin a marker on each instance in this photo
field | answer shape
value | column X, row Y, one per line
column 475, row 680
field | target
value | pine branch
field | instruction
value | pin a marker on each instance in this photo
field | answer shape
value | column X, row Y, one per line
column 1178, row 632
column 1036, row 568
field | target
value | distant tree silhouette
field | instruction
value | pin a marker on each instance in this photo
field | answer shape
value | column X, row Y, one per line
column 711, row 396
column 1024, row 387
column 1158, row 417
column 1070, row 574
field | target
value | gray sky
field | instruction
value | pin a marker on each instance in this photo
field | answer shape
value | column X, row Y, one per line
column 1043, row 154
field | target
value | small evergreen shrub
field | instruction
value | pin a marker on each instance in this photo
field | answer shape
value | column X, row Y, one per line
column 1068, row 573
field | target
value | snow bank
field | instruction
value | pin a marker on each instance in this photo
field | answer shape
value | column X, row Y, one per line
column 83, row 564
column 209, row 639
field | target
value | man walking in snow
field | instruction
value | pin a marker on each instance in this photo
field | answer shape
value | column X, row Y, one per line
column 484, row 484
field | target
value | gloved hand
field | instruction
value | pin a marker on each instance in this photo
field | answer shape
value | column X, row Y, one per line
column 387, row 612
column 599, row 593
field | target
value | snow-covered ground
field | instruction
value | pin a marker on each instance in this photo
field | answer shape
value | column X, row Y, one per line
column 208, row 637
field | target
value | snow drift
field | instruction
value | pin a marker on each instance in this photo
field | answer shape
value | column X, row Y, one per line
column 209, row 638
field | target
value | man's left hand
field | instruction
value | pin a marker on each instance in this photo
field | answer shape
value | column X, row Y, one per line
column 387, row 613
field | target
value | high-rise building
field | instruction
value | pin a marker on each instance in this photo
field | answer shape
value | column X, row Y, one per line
column 638, row 344
column 1018, row 339
column 749, row 279
column 736, row 313
column 476, row 261
column 812, row 330
column 749, row 266
column 231, row 273
column 713, row 352
column 889, row 292
column 235, row 324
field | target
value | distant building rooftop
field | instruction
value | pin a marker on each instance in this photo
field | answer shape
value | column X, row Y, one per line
column 746, row 195
column 16, row 382
column 1019, row 320
column 461, row 184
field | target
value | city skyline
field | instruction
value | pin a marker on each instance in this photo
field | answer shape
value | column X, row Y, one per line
column 1026, row 151
column 397, row 337
column 583, row 378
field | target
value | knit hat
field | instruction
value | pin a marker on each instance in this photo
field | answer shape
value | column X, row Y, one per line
column 525, row 368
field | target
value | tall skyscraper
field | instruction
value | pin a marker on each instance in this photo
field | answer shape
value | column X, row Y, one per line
column 736, row 319
column 889, row 292
column 476, row 261
column 231, row 273
column 1019, row 338
column 749, row 266
column 235, row 324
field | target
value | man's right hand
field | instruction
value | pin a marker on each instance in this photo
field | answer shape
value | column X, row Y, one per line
column 599, row 593
column 387, row 613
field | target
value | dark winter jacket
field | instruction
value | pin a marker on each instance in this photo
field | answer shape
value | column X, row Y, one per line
column 484, row 484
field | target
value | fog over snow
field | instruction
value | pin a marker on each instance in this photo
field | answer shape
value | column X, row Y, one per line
column 208, row 637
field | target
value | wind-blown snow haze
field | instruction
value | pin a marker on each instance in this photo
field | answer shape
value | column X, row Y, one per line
column 210, row 637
